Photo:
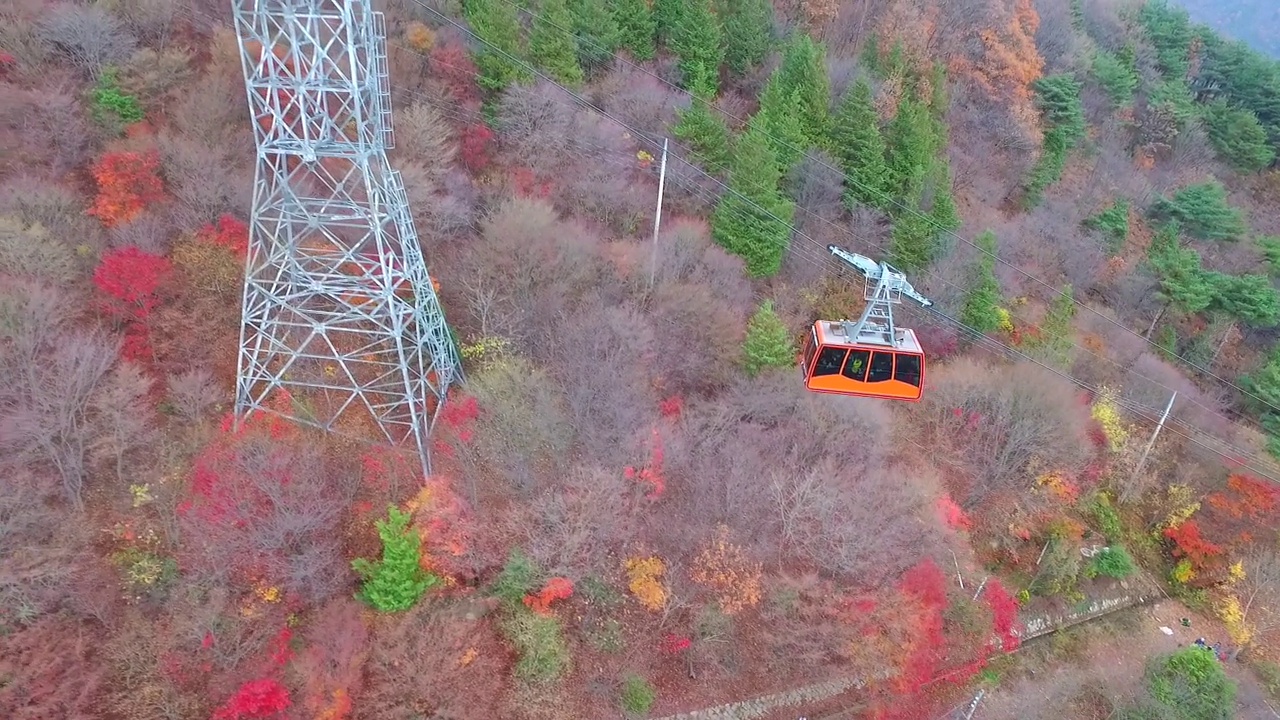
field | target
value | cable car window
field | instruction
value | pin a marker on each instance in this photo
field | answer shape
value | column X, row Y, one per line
column 829, row 361
column 855, row 368
column 810, row 349
column 881, row 367
column 908, row 370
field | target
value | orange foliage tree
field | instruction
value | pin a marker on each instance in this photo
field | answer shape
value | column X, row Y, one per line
column 725, row 568
column 1009, row 62
column 127, row 183
column 557, row 588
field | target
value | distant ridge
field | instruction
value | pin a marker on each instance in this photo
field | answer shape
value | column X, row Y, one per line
column 1257, row 22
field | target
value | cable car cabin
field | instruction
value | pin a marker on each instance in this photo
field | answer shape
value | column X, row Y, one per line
column 833, row 364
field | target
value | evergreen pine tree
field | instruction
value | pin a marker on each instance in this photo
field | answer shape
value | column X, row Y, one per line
column 1183, row 282
column 748, row 32
column 1203, row 211
column 396, row 581
column 754, row 221
column 782, row 126
column 982, row 302
column 637, row 28
column 767, row 344
column 596, row 33
column 911, row 244
column 552, row 45
column 1247, row 298
column 666, row 16
column 856, row 138
column 698, row 40
column 706, row 134
column 496, row 23
column 803, row 72
column 910, row 147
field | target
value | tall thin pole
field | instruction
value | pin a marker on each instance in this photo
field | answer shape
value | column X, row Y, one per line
column 1159, row 426
column 657, row 215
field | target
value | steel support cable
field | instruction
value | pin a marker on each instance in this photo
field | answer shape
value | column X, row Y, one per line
column 1239, row 417
column 904, row 207
column 639, row 134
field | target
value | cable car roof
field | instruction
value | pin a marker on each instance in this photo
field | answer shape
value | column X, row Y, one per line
column 832, row 333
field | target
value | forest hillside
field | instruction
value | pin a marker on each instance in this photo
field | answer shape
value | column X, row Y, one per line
column 635, row 507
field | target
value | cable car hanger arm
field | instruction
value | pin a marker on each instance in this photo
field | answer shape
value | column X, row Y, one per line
column 876, row 271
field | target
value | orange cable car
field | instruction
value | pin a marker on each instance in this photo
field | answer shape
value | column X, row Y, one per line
column 870, row 357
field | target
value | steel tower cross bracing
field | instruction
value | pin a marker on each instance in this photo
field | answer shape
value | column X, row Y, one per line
column 341, row 327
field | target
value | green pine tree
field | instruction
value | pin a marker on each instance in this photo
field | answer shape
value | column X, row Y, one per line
column 782, row 126
column 1203, row 211
column 982, row 303
column 910, row 146
column 637, row 29
column 753, row 222
column 1183, row 283
column 767, row 344
column 552, row 45
column 748, row 33
column 596, row 33
column 396, row 581
column 666, row 16
column 1248, row 298
column 698, row 40
column 495, row 22
column 803, row 72
column 855, row 135
column 705, row 132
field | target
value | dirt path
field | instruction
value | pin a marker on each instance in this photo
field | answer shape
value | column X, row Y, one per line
column 1078, row 674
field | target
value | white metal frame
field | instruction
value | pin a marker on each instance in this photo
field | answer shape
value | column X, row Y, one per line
column 884, row 287
column 341, row 324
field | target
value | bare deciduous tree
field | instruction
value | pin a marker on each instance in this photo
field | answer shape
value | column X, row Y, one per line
column 998, row 427
column 575, row 527
column 193, row 392
column 28, row 251
column 268, row 508
column 123, row 417
column 52, row 373
column 88, row 35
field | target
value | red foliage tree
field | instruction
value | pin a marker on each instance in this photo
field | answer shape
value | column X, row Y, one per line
column 1004, row 609
column 925, row 585
column 229, row 233
column 1189, row 543
column 132, row 278
column 127, row 183
column 255, row 699
column 557, row 588
column 476, row 151
column 451, row 64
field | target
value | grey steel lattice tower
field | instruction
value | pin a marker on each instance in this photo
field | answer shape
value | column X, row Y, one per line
column 341, row 327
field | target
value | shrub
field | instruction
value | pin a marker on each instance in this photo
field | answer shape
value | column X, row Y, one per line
column 518, row 578
column 397, row 581
column 1113, row 562
column 768, row 344
column 110, row 103
column 637, row 695
column 1106, row 516
column 1113, row 223
column 539, row 640
column 1191, row 685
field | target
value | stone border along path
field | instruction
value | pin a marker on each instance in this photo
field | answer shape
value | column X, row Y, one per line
column 1034, row 627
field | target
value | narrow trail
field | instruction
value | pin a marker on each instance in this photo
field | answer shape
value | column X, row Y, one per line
column 1035, row 626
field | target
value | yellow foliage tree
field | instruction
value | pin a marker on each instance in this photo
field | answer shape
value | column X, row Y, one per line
column 644, row 580
column 725, row 568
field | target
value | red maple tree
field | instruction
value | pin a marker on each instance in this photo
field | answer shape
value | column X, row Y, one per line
column 127, row 183
column 263, row 698
column 132, row 278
